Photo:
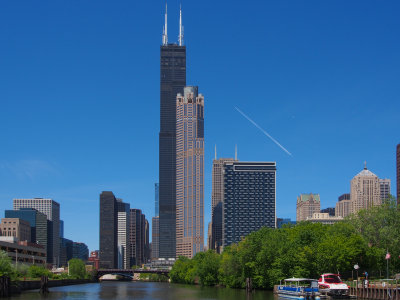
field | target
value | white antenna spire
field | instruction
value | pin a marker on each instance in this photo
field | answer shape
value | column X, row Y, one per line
column 215, row 151
column 235, row 152
column 180, row 38
column 165, row 28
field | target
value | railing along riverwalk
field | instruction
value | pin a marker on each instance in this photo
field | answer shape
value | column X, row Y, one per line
column 384, row 290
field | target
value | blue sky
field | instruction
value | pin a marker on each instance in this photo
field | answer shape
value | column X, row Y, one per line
column 79, row 95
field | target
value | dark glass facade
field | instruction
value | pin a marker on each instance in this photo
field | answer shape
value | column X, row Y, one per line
column 108, row 231
column 329, row 210
column 249, row 199
column 172, row 81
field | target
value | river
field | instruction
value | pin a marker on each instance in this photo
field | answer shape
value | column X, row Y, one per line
column 144, row 291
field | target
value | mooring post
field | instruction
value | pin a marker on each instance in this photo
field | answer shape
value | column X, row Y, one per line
column 44, row 285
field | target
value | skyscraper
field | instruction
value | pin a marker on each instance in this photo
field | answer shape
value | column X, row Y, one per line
column 307, row 204
column 172, row 81
column 51, row 209
column 139, row 238
column 217, row 199
column 189, row 172
column 364, row 190
column 398, row 173
column 343, row 206
column 384, row 185
column 124, row 257
column 108, row 231
column 249, row 199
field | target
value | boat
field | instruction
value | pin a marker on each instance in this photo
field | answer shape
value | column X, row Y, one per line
column 299, row 288
column 331, row 284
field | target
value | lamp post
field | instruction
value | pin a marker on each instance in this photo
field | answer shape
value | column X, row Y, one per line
column 16, row 258
column 356, row 267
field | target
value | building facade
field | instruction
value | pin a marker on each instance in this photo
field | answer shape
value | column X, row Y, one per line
column 365, row 191
column 123, row 244
column 324, row 218
column 80, row 251
column 384, row 185
column 307, row 205
column 108, row 238
column 139, row 238
column 329, row 210
column 249, row 199
column 343, row 206
column 217, row 200
column 51, row 209
column 17, row 228
column 24, row 252
column 66, row 251
column 189, row 172
column 172, row 81
column 155, row 226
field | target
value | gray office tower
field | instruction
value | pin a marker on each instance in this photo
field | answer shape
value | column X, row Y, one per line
column 172, row 81
column 249, row 199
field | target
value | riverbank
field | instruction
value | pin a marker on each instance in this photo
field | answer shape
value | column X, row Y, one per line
column 25, row 285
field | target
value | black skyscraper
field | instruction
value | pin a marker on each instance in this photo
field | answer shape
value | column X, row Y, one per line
column 108, row 231
column 172, row 81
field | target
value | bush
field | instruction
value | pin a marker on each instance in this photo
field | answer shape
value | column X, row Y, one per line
column 77, row 269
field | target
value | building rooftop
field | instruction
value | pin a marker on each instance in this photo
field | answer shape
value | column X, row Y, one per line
column 308, row 197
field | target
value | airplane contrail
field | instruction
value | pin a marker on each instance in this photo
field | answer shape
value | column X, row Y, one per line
column 263, row 131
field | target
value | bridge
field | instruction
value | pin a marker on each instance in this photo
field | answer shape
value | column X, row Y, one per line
column 131, row 272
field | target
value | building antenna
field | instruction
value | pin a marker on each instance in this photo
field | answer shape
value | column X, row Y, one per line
column 235, row 152
column 180, row 38
column 365, row 165
column 165, row 28
column 215, row 151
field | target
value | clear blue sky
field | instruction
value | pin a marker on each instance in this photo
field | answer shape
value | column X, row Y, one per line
column 79, row 95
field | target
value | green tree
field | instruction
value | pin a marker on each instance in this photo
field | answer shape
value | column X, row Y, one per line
column 6, row 268
column 37, row 271
column 207, row 266
column 77, row 268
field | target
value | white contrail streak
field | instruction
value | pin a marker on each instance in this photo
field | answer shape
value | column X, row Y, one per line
column 263, row 131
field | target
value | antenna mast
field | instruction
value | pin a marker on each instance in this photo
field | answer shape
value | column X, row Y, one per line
column 180, row 38
column 165, row 28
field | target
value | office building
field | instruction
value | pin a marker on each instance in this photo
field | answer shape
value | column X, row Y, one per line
column 365, row 191
column 24, row 252
column 147, row 246
column 307, row 204
column 249, row 199
column 38, row 223
column 108, row 252
column 384, row 185
column 343, row 206
column 139, row 238
column 61, row 228
column 15, row 227
column 172, row 81
column 51, row 209
column 80, row 251
column 66, row 251
column 124, row 256
column 217, row 199
column 189, row 172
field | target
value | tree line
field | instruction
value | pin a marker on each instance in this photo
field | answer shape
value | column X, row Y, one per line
column 304, row 250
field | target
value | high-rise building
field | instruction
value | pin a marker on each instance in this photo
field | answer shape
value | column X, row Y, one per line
column 217, row 199
column 146, row 246
column 172, row 81
column 343, row 206
column 136, row 237
column 51, row 209
column 66, row 251
column 364, row 191
column 398, row 173
column 189, row 172
column 307, row 205
column 61, row 228
column 249, row 199
column 108, row 252
column 209, row 235
column 384, row 185
column 124, row 256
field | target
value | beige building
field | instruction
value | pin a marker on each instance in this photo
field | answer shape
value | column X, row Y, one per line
column 343, row 206
column 364, row 191
column 384, row 185
column 324, row 218
column 307, row 204
column 15, row 227
column 189, row 172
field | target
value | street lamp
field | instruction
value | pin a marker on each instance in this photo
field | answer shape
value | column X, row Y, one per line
column 16, row 258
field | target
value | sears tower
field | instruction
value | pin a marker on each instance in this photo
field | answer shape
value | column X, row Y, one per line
column 172, row 81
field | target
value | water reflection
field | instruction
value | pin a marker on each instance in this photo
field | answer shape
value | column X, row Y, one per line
column 145, row 291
